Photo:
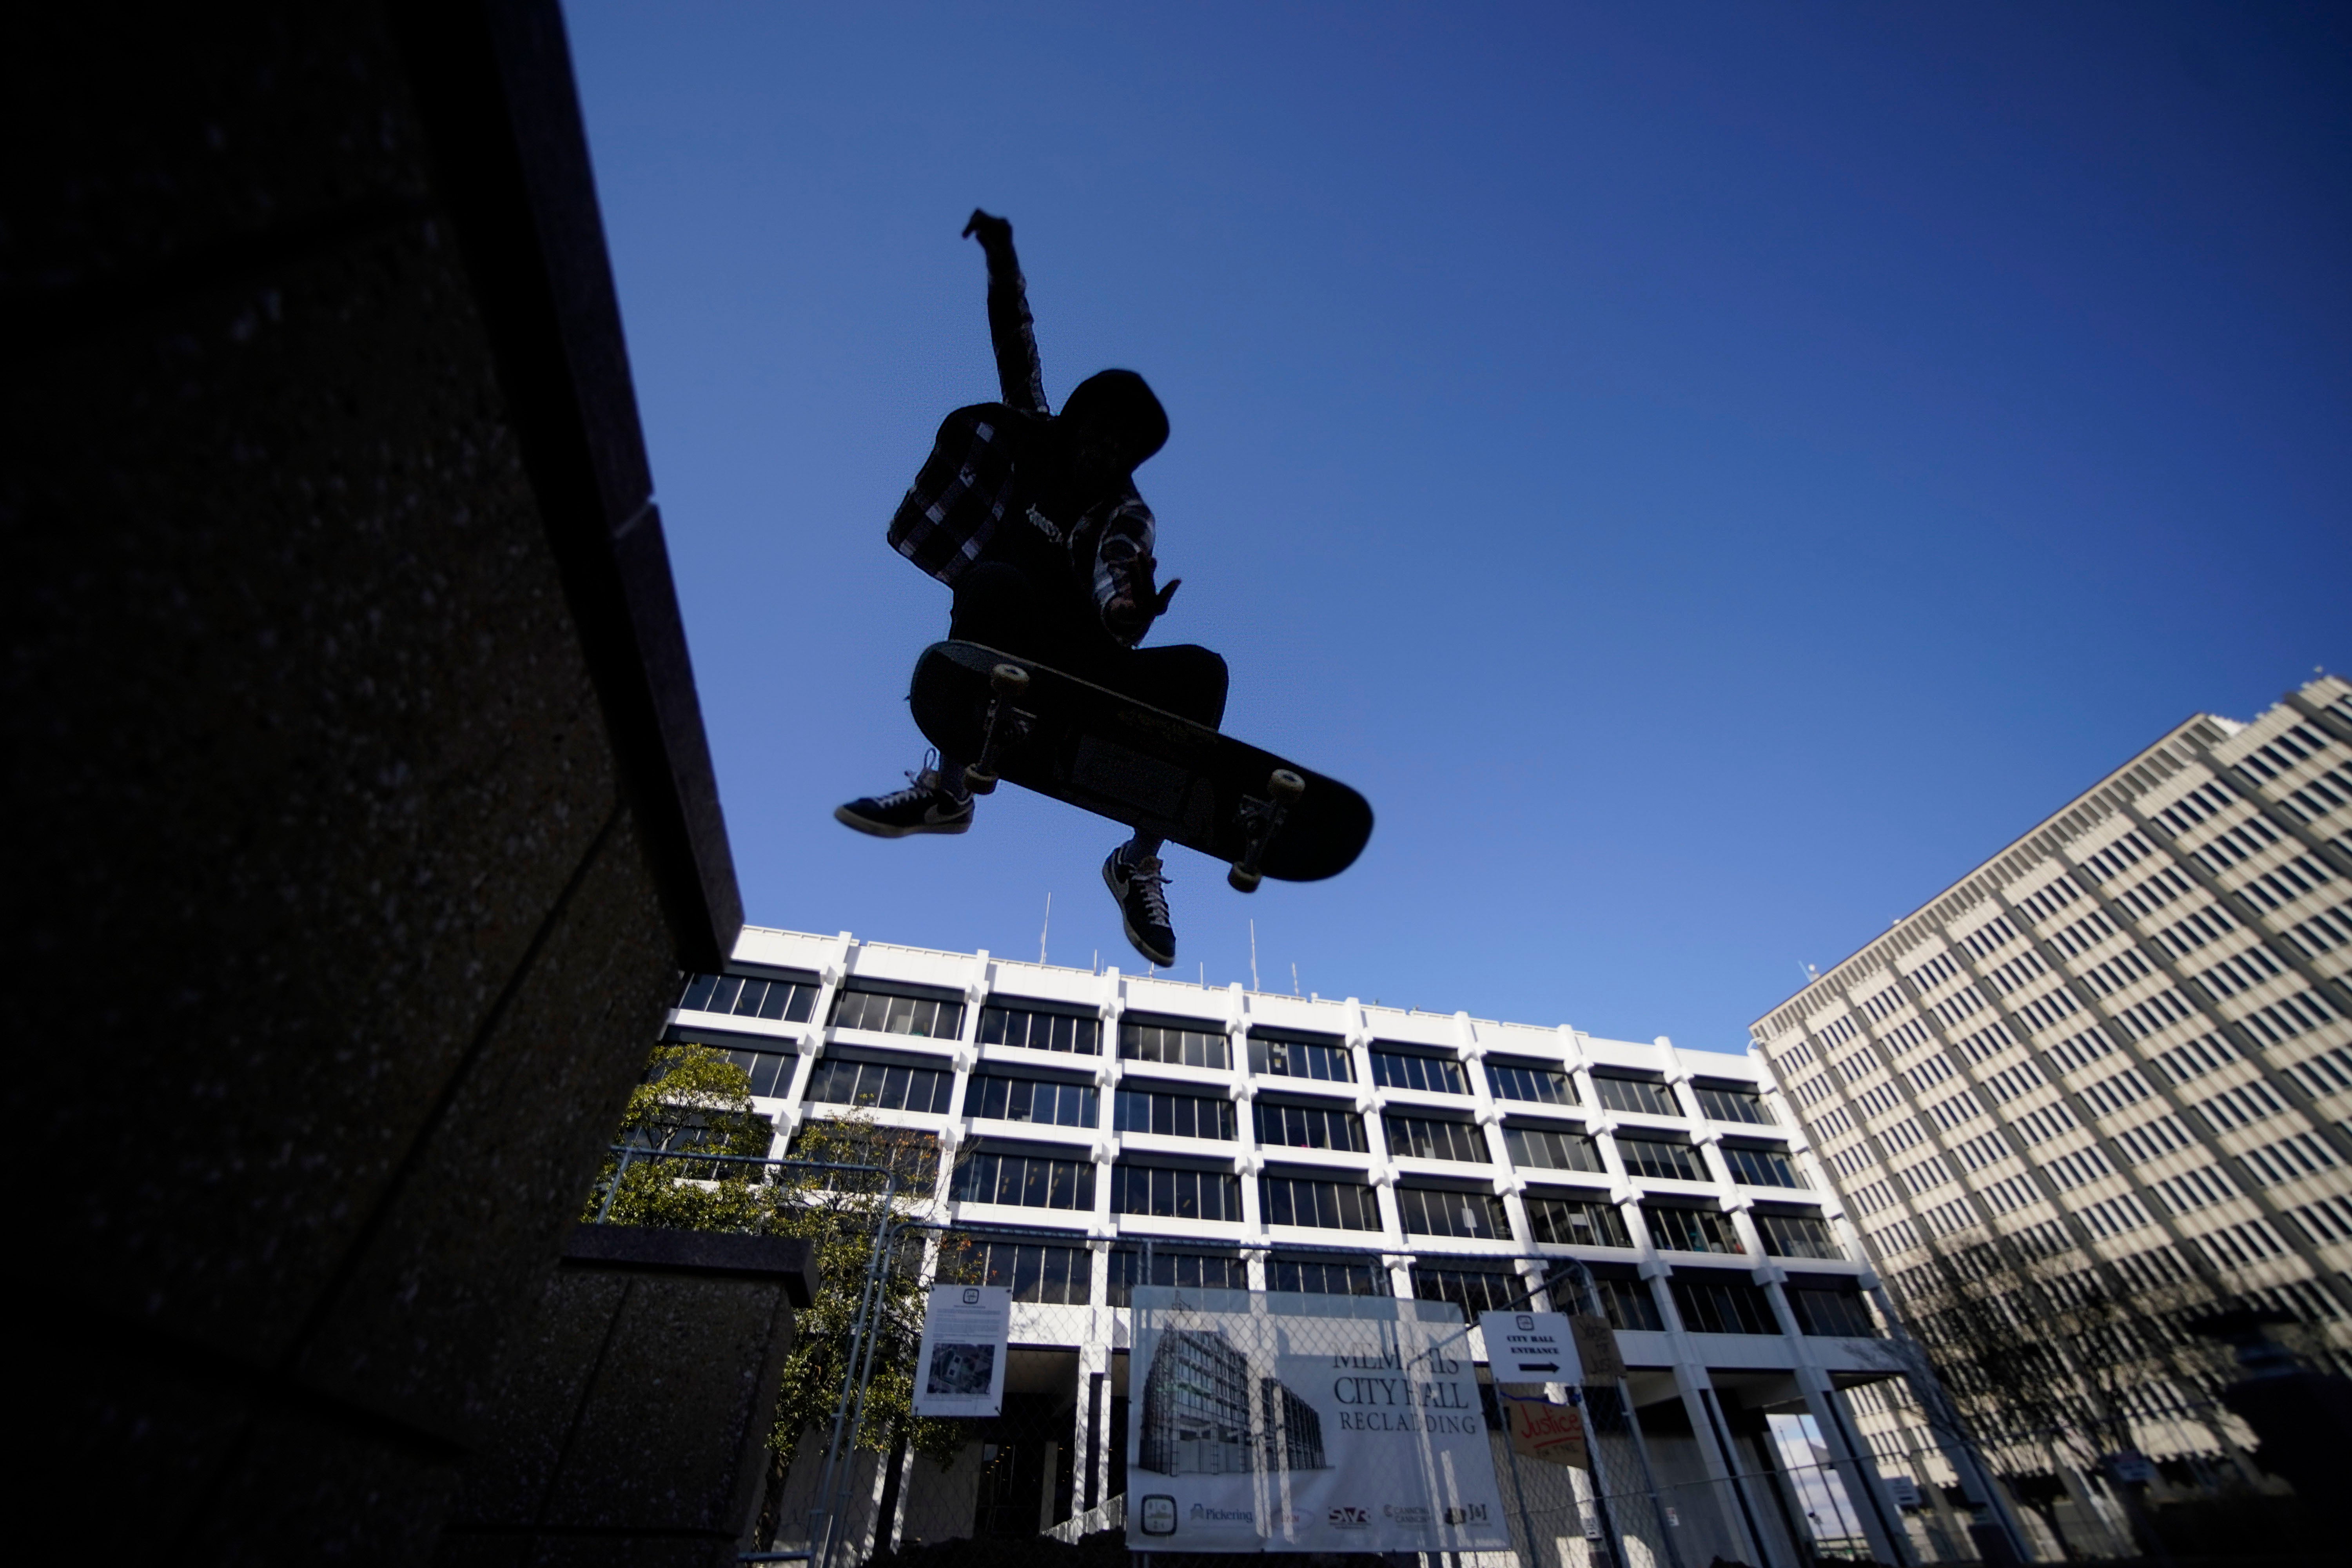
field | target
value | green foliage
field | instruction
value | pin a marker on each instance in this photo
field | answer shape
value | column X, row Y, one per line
column 696, row 1101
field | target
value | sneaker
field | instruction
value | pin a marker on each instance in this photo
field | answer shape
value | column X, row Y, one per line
column 1141, row 889
column 925, row 805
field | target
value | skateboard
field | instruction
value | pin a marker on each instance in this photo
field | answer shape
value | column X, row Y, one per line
column 1116, row 757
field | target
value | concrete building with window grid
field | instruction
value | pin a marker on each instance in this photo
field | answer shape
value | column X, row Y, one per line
column 2122, row 1043
column 1098, row 1130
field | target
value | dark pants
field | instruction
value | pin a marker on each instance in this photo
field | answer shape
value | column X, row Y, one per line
column 1005, row 606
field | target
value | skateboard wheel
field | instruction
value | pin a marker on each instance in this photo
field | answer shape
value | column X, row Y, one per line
column 1008, row 679
column 1244, row 881
column 977, row 782
column 1286, row 786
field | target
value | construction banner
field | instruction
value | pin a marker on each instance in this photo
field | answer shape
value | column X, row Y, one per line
column 1295, row 1423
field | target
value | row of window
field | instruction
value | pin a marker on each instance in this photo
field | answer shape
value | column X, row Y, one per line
column 1010, row 1098
column 1201, row 1045
column 1050, row 1274
column 1037, row 1182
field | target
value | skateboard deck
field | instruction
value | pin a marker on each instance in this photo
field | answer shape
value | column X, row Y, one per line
column 1152, row 770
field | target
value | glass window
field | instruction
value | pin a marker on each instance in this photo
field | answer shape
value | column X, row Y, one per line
column 1003, row 1098
column 1060, row 1275
column 1733, row 1104
column 1027, row 1181
column 1328, row 1276
column 1550, row 1149
column 1475, row 1290
column 1197, row 1045
column 1627, row 1304
column 833, row 1081
column 1832, row 1310
column 1175, row 1115
column 1576, row 1222
column 1423, row 1138
column 1178, row 1195
column 1432, row 1075
column 1545, row 1086
column 748, row 996
column 1310, row 1127
column 1642, row 1096
column 1333, row 1205
column 887, row 1015
column 1721, row 1305
column 770, row 1072
column 1193, row 1270
column 1036, row 1031
column 1798, row 1236
column 1760, row 1167
column 1655, row 1157
column 1691, row 1230
column 1271, row 1057
column 1428, row 1212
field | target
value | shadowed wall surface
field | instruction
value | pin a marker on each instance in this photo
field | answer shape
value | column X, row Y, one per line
column 362, row 813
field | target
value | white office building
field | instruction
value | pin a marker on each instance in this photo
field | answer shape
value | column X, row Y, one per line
column 1098, row 1130
column 2121, row 1042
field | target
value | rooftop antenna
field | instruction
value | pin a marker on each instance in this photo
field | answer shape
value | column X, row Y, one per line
column 1205, row 975
column 1044, row 929
column 1253, row 955
column 1294, row 980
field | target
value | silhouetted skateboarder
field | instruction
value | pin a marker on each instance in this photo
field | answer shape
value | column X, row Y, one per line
column 1033, row 519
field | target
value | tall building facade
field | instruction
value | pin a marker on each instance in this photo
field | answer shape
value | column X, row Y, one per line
column 1095, row 1130
column 2120, row 1045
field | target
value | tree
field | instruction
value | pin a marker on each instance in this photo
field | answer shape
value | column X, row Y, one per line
column 2050, row 1366
column 694, row 1101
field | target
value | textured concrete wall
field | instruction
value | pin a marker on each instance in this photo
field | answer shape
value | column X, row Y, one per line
column 339, row 933
column 632, row 1410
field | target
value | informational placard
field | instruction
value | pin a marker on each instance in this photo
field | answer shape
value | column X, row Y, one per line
column 1596, row 1348
column 1294, row 1423
column 960, row 1368
column 1541, row 1429
column 1528, row 1347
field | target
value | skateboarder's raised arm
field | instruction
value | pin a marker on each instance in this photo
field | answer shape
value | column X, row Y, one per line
column 1009, row 331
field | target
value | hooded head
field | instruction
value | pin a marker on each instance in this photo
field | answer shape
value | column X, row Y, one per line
column 1113, row 423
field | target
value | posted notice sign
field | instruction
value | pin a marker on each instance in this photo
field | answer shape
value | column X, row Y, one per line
column 1528, row 1347
column 1295, row 1423
column 959, row 1369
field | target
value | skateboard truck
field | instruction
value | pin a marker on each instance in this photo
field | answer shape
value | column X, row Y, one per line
column 1261, row 820
column 1005, row 723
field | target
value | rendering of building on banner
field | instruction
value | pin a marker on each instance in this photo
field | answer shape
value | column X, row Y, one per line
column 1196, row 1412
column 2119, row 1051
column 1097, row 1133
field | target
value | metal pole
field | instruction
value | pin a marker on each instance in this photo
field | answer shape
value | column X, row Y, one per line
column 869, row 1333
column 834, row 1485
column 1511, row 1452
column 614, row 1190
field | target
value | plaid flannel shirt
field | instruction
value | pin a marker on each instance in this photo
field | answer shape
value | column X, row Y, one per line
column 971, row 482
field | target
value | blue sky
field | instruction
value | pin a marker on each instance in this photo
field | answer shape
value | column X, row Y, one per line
column 1710, row 475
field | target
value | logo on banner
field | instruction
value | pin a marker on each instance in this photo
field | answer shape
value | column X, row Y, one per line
column 1470, row 1513
column 1350, row 1518
column 1158, row 1514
